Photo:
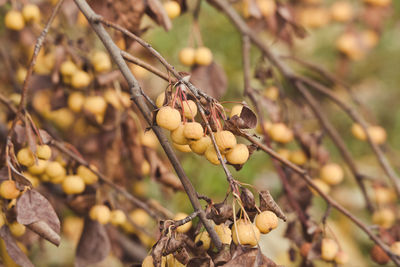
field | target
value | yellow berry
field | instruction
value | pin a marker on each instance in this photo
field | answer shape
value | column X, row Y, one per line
column 173, row 9
column 203, row 240
column 341, row 257
column 331, row 173
column 358, row 132
column 62, row 118
column 238, row 154
column 314, row 17
column 101, row 61
column 68, row 68
column 185, row 227
column 75, row 101
column 224, row 233
column 100, row 213
column 17, row 229
column 31, row 12
column 193, row 131
column 384, row 217
column 168, row 118
column 33, row 179
column 148, row 261
column 211, row 155
column 87, row 175
column 21, row 74
column 139, row 217
column 117, row 217
column 395, row 248
column 80, row 79
column 279, row 132
column 43, row 152
column 236, row 110
column 38, row 168
column 271, row 93
column 245, row 233
column 14, row 20
column 349, row 44
column 369, row 38
column 25, row 157
column 73, row 184
column 341, row 11
column 298, row 157
column 384, row 195
column 72, row 227
column 203, row 56
column 182, row 148
column 160, row 100
column 266, row 221
column 321, row 185
column 54, row 170
column 8, row 189
column 200, row 146
column 329, row 249
column 225, row 140
column 145, row 168
column 377, row 134
column 149, row 139
column 267, row 7
column 95, row 105
column 187, row 56
column 267, row 126
column 178, row 136
column 284, row 153
column 189, row 109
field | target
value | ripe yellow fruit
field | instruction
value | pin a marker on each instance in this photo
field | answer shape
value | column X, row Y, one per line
column 377, row 134
column 203, row 240
column 2, row 219
column 314, row 17
column 43, row 152
column 168, row 118
column 14, row 20
column 41, row 101
column 189, row 109
column 80, row 79
column 100, row 213
column 145, row 168
column 185, row 227
column 160, row 100
column 369, row 38
column 17, row 229
column 54, row 170
column 358, row 132
column 381, row 3
column 200, row 146
column 332, row 173
column 383, row 195
column 238, row 154
column 284, row 153
column 33, row 179
column 203, row 56
column 73, row 184
column 75, row 101
column 15, row 98
column 148, row 261
column 321, row 185
column 384, row 217
column 72, row 227
column 211, row 155
column 63, row 118
column 193, row 131
column 298, row 157
column 395, row 248
column 341, row 11
column 224, row 233
column 279, row 132
column 187, row 56
column 271, row 93
column 225, row 140
column 267, row 126
column 149, row 139
column 31, row 13
column 341, row 257
column 236, row 110
column 95, row 105
column 139, row 217
column 8, row 189
column 178, row 136
column 182, row 148
column 173, row 9
column 39, row 168
column 267, row 7
column 349, row 45
column 245, row 233
column 68, row 68
column 21, row 74
column 266, row 221
column 25, row 157
column 117, row 217
column 329, row 249
column 87, row 175
column 101, row 61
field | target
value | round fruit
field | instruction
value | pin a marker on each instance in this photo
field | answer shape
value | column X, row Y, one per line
column 95, row 105
column 358, row 132
column 369, row 38
column 73, row 184
column 298, row 157
column 87, row 175
column 284, row 153
column 185, row 227
column 238, row 154
column 54, row 170
column 168, row 118
column 245, row 233
column 377, row 134
column 331, row 173
column 267, row 126
column 203, row 56
column 39, row 168
column 193, row 131
column 329, row 249
column 72, row 227
column 145, row 168
column 271, row 93
column 117, row 217
column 17, row 229
column 14, row 20
column 21, row 74
column 171, row 261
column 200, row 146
column 279, row 132
column 236, row 110
column 321, row 185
column 182, row 148
column 225, row 140
column 31, row 12
column 149, row 139
column 101, row 61
column 187, row 56
column 189, row 109
column 43, row 152
column 395, row 248
column 148, row 261
column 203, row 240
column 33, row 179
column 75, row 101
column 211, row 155
column 139, row 217
column 349, row 45
column 378, row 255
column 80, row 79
column 178, row 136
column 384, row 195
column 314, row 17
column 160, row 100
column 341, row 11
column 267, row 7
column 68, row 68
column 63, row 118
column 100, row 213
column 384, row 217
column 266, row 221
column 8, row 190
column 25, row 157
column 173, row 9
column 224, row 233
column 341, row 257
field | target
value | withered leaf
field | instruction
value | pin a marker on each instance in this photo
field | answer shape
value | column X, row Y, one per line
column 268, row 203
column 223, row 256
column 94, row 244
column 247, row 198
column 211, row 79
column 246, row 120
column 157, row 12
column 19, row 134
column 220, row 212
column 12, row 248
column 45, row 136
column 35, row 210
column 200, row 262
column 249, row 257
column 283, row 14
column 157, row 251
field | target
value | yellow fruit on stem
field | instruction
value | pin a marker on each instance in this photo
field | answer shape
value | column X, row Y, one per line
column 21, row 74
column 321, row 185
column 189, row 109
column 236, row 110
column 329, row 249
column 73, row 184
column 33, row 179
column 75, row 101
column 87, row 175
column 377, row 134
column 182, row 148
column 271, row 93
column 31, row 13
column 14, row 20
column 145, row 168
column 279, row 132
column 168, row 118
column 185, row 227
column 17, row 229
column 298, row 157
column 178, row 136
column 238, row 154
column 395, row 248
column 266, row 221
column 284, row 153
column 54, row 170
column 225, row 140
column 245, row 233
column 139, row 217
column 203, row 56
column 193, row 131
column 96, row 105
column 43, row 152
column 332, row 173
column 117, row 217
column 211, row 155
column 267, row 126
column 341, row 11
column 224, row 233
column 384, row 217
column 160, row 100
column 203, row 240
column 8, row 190
column 200, row 146
column 187, row 56
column 68, row 68
column 267, row 7
column 80, row 79
column 25, row 157
column 38, row 168
column 341, row 257
column 173, row 9
column 100, row 213
column 101, row 61
column 149, row 139
column 384, row 195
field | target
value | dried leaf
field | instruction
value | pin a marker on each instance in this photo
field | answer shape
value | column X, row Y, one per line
column 12, row 248
column 34, row 210
column 19, row 134
column 247, row 198
column 223, row 256
column 246, row 120
column 200, row 262
column 268, row 203
column 249, row 257
column 220, row 212
column 157, row 251
column 211, row 79
column 157, row 12
column 45, row 136
column 94, row 244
